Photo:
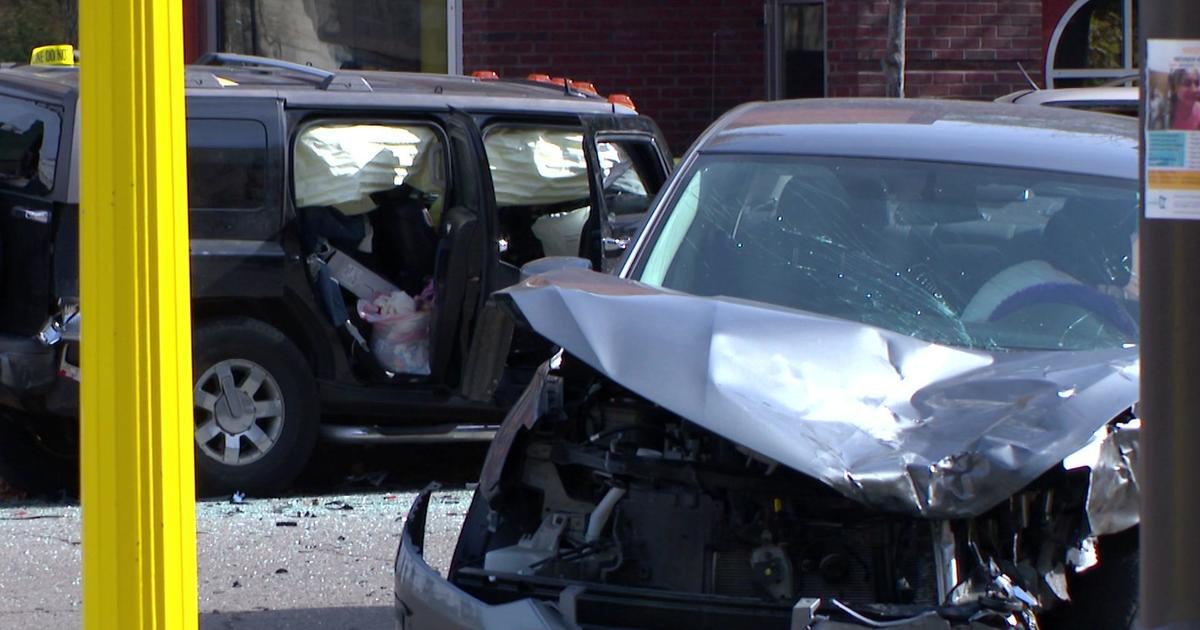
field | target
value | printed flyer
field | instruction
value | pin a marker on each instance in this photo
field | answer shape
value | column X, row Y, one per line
column 1172, row 87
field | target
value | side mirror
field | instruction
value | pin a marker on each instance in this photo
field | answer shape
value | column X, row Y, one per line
column 553, row 263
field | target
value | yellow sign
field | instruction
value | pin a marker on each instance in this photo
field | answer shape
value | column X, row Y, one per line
column 58, row 55
column 1174, row 180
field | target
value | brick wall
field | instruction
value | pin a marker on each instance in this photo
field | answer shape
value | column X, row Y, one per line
column 954, row 48
column 659, row 52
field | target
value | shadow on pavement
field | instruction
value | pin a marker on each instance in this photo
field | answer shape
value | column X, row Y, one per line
column 333, row 469
column 340, row 468
column 347, row 618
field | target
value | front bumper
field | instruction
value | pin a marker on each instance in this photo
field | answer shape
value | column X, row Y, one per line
column 427, row 601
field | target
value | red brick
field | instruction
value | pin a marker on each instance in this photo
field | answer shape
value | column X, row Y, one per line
column 947, row 54
column 948, row 77
column 1013, row 31
column 983, row 8
column 979, row 55
column 964, row 43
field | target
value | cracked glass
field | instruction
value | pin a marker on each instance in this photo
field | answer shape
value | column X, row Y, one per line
column 964, row 255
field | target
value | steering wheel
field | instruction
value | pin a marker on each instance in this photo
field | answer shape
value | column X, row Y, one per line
column 1105, row 307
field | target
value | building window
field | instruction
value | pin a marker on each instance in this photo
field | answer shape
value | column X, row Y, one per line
column 410, row 35
column 1094, row 43
column 796, row 49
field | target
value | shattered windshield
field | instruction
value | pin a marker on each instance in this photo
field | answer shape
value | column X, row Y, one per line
column 964, row 255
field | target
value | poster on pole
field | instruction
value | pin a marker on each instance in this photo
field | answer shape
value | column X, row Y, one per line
column 1172, row 84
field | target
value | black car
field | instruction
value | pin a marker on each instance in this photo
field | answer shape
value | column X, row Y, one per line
column 871, row 363
column 346, row 230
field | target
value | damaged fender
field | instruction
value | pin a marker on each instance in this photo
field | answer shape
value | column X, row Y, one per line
column 896, row 423
column 1114, row 498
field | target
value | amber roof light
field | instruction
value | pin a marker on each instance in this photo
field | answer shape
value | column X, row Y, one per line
column 621, row 99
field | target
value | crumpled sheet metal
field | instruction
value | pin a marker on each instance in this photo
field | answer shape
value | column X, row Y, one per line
column 897, row 423
column 1114, row 498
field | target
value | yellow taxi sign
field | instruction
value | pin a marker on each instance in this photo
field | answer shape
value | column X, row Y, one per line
column 56, row 55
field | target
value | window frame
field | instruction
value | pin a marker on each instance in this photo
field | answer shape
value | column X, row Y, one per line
column 1130, row 44
column 774, row 48
column 210, row 31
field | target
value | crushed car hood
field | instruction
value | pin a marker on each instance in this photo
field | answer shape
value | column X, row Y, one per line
column 897, row 423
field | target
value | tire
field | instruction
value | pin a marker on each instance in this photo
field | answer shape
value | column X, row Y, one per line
column 1106, row 596
column 256, row 409
column 29, row 465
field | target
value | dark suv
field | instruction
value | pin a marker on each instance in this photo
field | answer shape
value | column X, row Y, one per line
column 346, row 231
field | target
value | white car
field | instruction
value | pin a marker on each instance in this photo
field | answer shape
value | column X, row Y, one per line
column 1109, row 99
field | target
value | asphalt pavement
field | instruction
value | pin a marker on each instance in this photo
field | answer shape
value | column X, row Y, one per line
column 317, row 560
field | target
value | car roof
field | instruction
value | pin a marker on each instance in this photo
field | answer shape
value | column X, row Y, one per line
column 360, row 89
column 995, row 134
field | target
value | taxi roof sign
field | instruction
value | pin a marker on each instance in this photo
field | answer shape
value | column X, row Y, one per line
column 56, row 55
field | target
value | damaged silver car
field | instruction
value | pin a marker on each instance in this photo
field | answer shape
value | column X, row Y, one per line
column 869, row 364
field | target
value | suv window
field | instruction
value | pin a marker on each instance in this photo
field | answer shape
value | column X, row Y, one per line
column 622, row 177
column 227, row 163
column 540, row 176
column 630, row 179
column 28, row 146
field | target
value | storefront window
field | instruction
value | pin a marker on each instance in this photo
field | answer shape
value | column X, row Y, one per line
column 1094, row 43
column 410, row 35
column 796, row 45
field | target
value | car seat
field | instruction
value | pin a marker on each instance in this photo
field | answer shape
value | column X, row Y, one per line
column 1090, row 239
column 404, row 242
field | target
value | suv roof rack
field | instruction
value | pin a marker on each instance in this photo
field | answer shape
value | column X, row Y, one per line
column 327, row 80
column 233, row 59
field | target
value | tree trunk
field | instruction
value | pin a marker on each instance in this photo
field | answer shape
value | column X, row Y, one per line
column 893, row 60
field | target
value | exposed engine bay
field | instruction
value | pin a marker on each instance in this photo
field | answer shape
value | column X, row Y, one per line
column 611, row 495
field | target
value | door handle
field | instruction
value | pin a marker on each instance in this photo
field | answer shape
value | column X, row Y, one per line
column 614, row 245
column 37, row 216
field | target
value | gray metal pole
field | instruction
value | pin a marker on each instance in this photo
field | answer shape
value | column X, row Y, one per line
column 1170, row 388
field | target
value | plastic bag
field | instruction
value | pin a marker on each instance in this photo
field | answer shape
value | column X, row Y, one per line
column 399, row 331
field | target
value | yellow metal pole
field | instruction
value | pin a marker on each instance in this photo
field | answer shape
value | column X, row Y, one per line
column 138, row 497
